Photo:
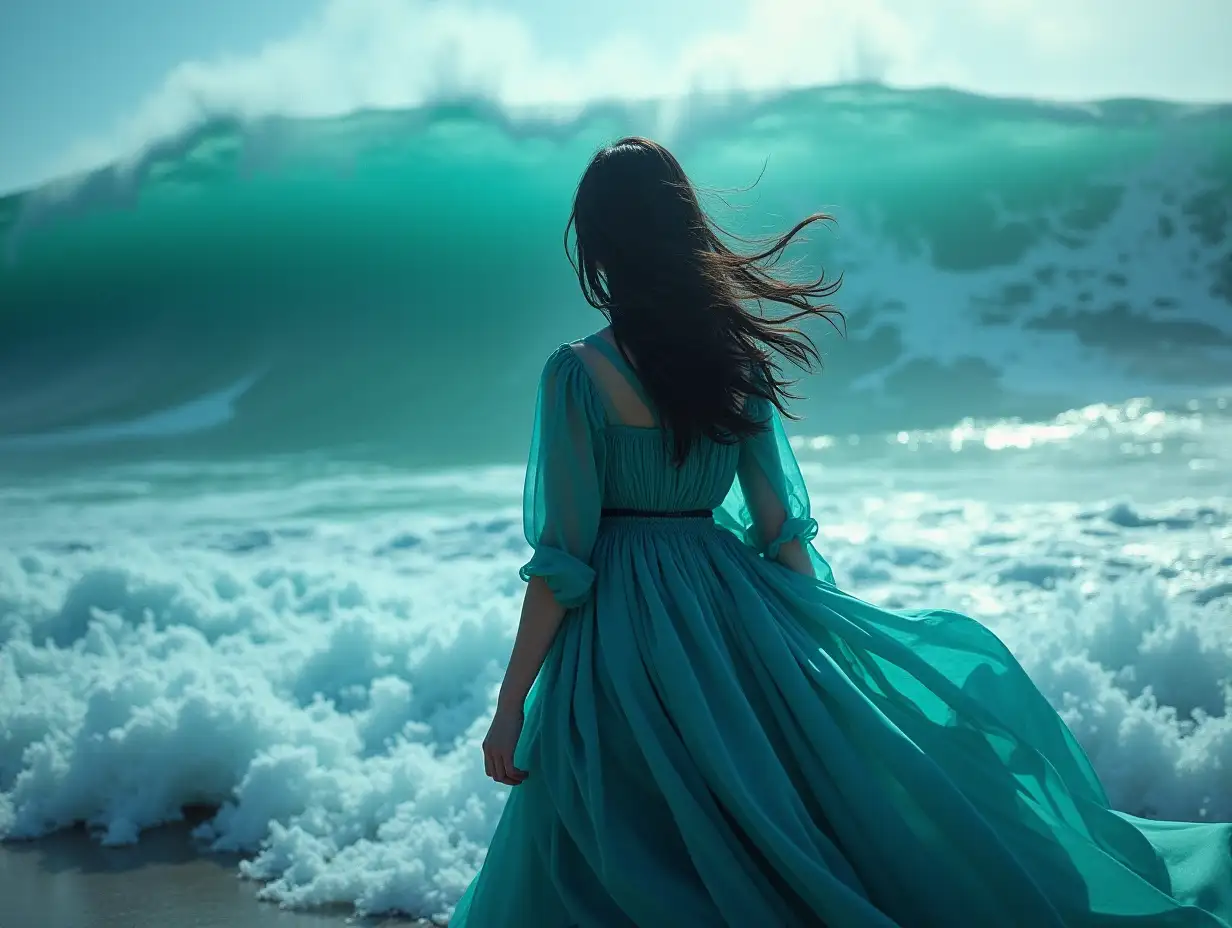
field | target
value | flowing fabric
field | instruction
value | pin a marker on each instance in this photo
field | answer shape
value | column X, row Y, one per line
column 716, row 740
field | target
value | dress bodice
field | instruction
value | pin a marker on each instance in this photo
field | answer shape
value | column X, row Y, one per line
column 641, row 474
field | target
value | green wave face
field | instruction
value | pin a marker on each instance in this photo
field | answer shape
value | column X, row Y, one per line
column 394, row 280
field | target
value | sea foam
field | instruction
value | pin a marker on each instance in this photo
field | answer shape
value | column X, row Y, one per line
column 316, row 651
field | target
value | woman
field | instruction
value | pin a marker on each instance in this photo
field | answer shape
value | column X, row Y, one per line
column 718, row 735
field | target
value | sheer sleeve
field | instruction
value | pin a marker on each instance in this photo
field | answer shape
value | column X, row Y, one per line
column 562, row 501
column 768, row 505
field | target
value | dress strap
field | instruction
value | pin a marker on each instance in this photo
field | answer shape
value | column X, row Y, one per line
column 617, row 359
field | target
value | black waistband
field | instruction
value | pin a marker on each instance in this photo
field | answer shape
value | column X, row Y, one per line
column 651, row 514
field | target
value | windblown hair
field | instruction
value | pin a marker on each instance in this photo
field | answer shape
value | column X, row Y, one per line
column 682, row 304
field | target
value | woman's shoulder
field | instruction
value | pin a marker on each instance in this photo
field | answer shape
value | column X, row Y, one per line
column 566, row 362
column 565, row 373
column 572, row 352
column 579, row 345
column 563, row 357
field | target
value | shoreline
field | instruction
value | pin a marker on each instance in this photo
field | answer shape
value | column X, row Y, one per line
column 68, row 880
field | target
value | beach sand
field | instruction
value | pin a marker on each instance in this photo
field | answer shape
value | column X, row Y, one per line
column 68, row 880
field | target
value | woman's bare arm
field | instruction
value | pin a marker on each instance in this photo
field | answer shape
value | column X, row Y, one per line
column 541, row 616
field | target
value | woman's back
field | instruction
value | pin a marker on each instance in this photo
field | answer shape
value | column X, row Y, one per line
column 599, row 447
column 641, row 473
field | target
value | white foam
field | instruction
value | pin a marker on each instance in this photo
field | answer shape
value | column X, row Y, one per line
column 357, row 55
column 206, row 412
column 1164, row 271
column 320, row 654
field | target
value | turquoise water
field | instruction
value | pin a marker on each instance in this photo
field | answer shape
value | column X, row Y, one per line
column 297, row 285
column 251, row 589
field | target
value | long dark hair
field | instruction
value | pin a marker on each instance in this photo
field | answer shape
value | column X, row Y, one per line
column 678, row 298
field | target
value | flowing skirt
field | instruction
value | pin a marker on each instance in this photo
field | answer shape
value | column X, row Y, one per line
column 715, row 740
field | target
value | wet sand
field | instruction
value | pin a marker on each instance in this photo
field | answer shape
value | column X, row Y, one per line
column 68, row 880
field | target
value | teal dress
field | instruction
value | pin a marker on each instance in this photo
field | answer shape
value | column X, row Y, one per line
column 717, row 740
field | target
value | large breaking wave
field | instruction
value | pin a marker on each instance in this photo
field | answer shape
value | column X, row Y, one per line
column 392, row 280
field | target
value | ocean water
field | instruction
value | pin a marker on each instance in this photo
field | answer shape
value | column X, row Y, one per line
column 265, row 392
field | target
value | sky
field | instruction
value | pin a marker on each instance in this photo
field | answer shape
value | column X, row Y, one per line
column 83, row 82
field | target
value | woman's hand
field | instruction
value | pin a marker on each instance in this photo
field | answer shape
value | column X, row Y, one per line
column 498, row 747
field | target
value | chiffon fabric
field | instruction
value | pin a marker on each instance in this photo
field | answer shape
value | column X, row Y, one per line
column 716, row 740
